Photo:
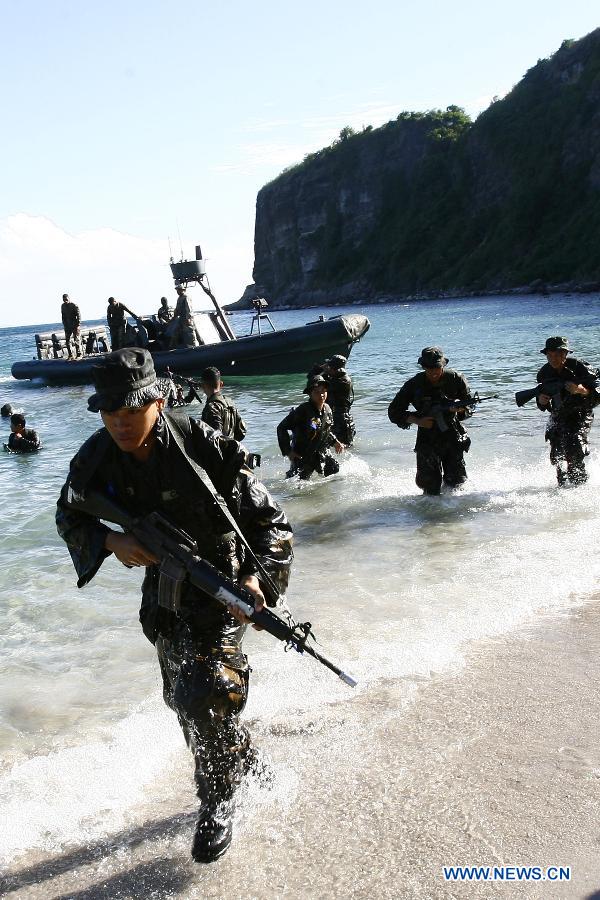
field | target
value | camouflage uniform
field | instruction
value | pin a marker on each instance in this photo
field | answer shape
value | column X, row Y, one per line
column 184, row 331
column 117, row 323
column 221, row 414
column 440, row 454
column 340, row 397
column 71, row 319
column 312, row 437
column 571, row 417
column 29, row 442
column 204, row 671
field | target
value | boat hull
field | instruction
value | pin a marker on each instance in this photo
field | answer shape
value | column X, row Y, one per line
column 283, row 352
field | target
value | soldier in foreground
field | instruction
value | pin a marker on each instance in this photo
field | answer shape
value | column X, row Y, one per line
column 146, row 460
column 311, row 426
column 220, row 411
column 340, row 397
column 441, row 437
column 71, row 319
column 571, row 409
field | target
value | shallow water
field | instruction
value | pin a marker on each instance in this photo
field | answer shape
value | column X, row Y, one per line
column 395, row 584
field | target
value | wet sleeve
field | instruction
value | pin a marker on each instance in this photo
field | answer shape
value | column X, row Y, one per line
column 283, row 432
column 398, row 408
column 212, row 415
column 588, row 377
column 267, row 530
column 84, row 535
column 32, row 441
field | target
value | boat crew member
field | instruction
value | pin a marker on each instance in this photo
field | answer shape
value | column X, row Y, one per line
column 440, row 450
column 306, row 434
column 184, row 330
column 165, row 313
column 146, row 460
column 22, row 439
column 220, row 411
column 571, row 409
column 71, row 319
column 340, row 397
column 117, row 323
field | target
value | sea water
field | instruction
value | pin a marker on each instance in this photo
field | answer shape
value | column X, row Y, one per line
column 396, row 585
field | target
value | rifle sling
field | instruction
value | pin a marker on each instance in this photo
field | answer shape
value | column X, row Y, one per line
column 180, row 430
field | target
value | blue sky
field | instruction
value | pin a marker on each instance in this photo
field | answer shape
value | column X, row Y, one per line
column 126, row 124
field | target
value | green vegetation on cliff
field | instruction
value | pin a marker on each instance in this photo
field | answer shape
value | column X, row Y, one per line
column 432, row 201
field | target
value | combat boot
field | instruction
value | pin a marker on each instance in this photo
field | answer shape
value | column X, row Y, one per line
column 214, row 831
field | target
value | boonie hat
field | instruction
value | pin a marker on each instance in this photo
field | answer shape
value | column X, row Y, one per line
column 432, row 358
column 124, row 378
column 6, row 411
column 556, row 343
column 313, row 382
column 337, row 362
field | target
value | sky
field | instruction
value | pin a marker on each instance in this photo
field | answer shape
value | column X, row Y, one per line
column 136, row 130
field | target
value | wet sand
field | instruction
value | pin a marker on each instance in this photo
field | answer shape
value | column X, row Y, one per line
column 496, row 764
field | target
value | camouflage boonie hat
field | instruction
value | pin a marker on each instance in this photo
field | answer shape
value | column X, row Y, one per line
column 314, row 382
column 432, row 358
column 556, row 343
column 124, row 378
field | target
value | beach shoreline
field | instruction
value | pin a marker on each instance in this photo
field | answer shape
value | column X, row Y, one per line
column 496, row 764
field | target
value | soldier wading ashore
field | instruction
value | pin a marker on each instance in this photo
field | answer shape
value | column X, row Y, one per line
column 442, row 439
column 570, row 389
column 147, row 460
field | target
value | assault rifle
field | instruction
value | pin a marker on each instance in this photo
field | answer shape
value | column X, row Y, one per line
column 180, row 559
column 437, row 410
column 193, row 385
column 553, row 388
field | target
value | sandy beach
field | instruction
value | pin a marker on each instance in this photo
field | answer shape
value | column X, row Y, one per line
column 497, row 764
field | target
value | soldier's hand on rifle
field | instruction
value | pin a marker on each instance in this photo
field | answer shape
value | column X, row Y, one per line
column 251, row 584
column 544, row 399
column 339, row 447
column 576, row 388
column 421, row 421
column 128, row 550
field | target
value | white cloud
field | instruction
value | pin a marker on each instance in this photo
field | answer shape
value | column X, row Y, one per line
column 39, row 261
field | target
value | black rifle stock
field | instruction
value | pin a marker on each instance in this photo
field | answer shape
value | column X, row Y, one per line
column 179, row 558
column 553, row 388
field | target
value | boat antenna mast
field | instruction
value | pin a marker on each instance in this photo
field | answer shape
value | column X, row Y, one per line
column 194, row 271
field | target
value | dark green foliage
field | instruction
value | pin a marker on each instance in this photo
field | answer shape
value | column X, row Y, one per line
column 507, row 200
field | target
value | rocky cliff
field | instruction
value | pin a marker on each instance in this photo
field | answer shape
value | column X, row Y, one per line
column 434, row 203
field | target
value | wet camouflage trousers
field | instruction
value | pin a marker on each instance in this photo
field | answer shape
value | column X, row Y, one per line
column 208, row 690
column 343, row 427
column 440, row 463
column 568, row 449
column 322, row 463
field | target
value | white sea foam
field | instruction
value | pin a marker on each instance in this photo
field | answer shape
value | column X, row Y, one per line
column 84, row 792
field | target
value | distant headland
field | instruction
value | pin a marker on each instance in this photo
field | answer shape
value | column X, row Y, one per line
column 433, row 205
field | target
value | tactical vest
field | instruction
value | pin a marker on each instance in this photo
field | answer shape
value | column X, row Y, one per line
column 233, row 424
